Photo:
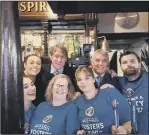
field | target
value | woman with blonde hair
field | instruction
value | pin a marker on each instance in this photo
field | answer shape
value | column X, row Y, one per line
column 58, row 64
column 58, row 115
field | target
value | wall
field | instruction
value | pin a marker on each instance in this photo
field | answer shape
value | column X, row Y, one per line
column 137, row 46
column 106, row 24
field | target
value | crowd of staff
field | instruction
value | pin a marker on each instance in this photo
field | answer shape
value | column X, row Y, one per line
column 90, row 100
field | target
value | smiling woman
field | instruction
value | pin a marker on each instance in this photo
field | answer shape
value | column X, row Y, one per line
column 32, row 66
column 58, row 115
column 29, row 95
column 60, row 89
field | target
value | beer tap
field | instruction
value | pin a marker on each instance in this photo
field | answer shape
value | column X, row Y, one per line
column 134, row 116
column 116, row 116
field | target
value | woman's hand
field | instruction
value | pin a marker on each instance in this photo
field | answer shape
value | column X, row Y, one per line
column 119, row 130
column 106, row 86
column 112, row 72
column 76, row 95
column 81, row 132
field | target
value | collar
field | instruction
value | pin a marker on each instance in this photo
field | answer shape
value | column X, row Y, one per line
column 96, row 75
column 59, row 70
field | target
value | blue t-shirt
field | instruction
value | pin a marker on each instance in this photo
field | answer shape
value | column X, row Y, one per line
column 27, row 117
column 138, row 90
column 49, row 119
column 97, row 115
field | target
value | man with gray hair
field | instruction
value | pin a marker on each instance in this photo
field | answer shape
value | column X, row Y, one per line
column 100, row 66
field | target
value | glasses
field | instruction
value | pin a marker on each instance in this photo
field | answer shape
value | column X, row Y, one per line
column 57, row 86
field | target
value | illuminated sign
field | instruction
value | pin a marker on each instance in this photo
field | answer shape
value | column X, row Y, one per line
column 33, row 6
column 36, row 10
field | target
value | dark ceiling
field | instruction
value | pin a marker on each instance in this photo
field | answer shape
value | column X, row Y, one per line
column 56, row 24
column 75, row 7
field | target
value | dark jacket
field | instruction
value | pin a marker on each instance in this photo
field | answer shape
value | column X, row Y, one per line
column 107, row 79
column 43, row 78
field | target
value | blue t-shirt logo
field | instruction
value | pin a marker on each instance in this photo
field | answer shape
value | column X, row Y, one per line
column 47, row 119
column 139, row 103
column 129, row 92
column 90, row 111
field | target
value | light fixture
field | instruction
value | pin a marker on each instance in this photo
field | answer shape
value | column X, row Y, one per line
column 104, row 44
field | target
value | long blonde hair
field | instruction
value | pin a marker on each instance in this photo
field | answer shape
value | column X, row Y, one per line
column 71, row 89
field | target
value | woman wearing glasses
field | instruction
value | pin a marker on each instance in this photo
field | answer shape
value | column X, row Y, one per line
column 101, row 112
column 58, row 115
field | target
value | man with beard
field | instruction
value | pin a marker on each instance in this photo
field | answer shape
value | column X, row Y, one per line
column 135, row 88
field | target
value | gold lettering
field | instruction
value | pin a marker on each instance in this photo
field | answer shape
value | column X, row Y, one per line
column 22, row 6
column 33, row 6
column 30, row 6
column 36, row 7
column 43, row 6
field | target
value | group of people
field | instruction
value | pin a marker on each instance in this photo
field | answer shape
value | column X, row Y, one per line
column 90, row 100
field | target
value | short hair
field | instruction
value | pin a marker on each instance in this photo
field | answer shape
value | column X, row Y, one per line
column 101, row 51
column 85, row 69
column 26, row 58
column 58, row 46
column 71, row 89
column 129, row 53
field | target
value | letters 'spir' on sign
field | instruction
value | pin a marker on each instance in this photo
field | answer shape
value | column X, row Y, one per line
column 38, row 9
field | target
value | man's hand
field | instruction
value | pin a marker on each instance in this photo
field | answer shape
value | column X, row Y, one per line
column 81, row 132
column 119, row 130
column 106, row 86
column 112, row 72
column 76, row 95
